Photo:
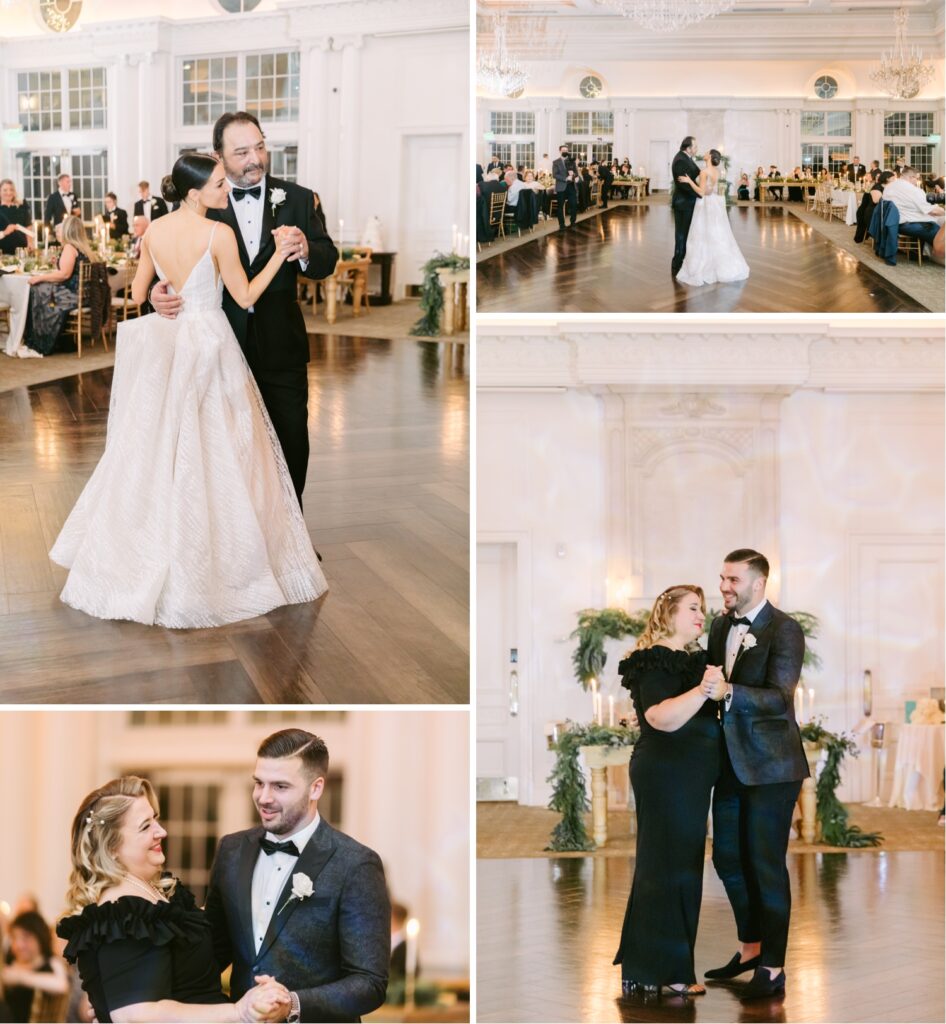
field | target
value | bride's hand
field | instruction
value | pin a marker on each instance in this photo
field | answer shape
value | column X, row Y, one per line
column 269, row 1001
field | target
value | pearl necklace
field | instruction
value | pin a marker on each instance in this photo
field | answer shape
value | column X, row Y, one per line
column 149, row 887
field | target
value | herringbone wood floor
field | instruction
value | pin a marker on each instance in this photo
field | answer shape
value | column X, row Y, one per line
column 386, row 503
column 619, row 262
column 866, row 942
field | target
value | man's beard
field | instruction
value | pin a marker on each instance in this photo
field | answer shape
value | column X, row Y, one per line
column 243, row 180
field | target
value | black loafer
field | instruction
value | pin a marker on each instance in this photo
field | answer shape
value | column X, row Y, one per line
column 733, row 969
column 763, row 986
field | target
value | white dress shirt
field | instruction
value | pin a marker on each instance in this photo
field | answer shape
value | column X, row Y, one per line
column 736, row 633
column 249, row 215
column 146, row 205
column 67, row 198
column 910, row 201
column 269, row 878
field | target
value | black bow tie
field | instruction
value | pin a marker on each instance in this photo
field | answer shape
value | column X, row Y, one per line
column 239, row 193
column 269, row 847
column 740, row 621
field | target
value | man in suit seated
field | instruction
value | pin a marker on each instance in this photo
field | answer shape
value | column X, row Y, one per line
column 148, row 205
column 603, row 172
column 774, row 172
column 139, row 226
column 116, row 217
column 487, row 187
column 61, row 202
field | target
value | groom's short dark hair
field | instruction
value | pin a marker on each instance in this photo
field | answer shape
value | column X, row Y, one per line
column 687, row 142
column 298, row 743
column 224, row 122
column 759, row 564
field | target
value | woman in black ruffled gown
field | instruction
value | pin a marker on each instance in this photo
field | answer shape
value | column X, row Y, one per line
column 673, row 769
column 143, row 948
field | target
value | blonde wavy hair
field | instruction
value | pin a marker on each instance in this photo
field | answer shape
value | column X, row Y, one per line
column 73, row 232
column 96, row 837
column 17, row 201
column 660, row 624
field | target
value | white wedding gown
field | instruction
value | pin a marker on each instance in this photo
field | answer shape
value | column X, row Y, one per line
column 190, row 518
column 712, row 253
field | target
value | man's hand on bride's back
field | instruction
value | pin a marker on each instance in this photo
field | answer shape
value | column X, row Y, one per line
column 167, row 305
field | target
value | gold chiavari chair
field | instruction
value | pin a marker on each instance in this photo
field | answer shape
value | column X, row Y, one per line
column 497, row 209
column 84, row 320
column 911, row 243
column 124, row 306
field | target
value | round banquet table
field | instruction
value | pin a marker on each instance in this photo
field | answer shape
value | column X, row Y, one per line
column 15, row 290
column 918, row 771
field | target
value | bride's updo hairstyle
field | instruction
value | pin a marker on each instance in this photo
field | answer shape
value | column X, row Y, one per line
column 192, row 170
column 660, row 624
column 716, row 158
column 96, row 837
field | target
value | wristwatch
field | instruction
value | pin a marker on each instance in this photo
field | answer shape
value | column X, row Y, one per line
column 728, row 698
column 295, row 1010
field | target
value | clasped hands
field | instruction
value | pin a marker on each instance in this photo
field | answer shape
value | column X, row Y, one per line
column 269, row 1001
column 713, row 685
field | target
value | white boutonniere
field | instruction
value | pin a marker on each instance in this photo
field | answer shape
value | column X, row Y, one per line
column 302, row 889
column 277, row 196
column 748, row 641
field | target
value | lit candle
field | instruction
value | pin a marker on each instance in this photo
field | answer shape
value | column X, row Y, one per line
column 46, row 246
column 868, row 692
column 412, row 928
column 341, row 229
column 611, row 712
column 800, row 704
column 454, row 240
column 594, row 699
column 811, row 703
column 37, row 224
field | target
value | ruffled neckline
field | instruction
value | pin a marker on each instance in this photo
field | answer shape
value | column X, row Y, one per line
column 131, row 917
column 656, row 657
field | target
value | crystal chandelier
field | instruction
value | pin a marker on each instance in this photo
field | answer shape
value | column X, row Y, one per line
column 497, row 72
column 668, row 15
column 902, row 72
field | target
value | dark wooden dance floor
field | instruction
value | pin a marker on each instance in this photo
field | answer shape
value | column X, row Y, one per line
column 619, row 262
column 387, row 505
column 866, row 942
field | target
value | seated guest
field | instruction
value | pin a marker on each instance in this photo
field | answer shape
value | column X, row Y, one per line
column 918, row 218
column 874, row 172
column 32, row 968
column 842, row 173
column 604, row 175
column 487, row 188
column 871, row 198
column 319, row 211
column 934, row 190
column 116, row 217
column 147, row 205
column 855, row 170
column 545, row 165
column 13, row 215
column 759, row 176
column 626, row 171
column 795, row 191
column 54, row 295
column 742, row 189
column 61, row 202
column 824, row 174
column 508, row 178
column 139, row 226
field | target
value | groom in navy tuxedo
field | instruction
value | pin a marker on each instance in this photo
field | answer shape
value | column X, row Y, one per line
column 684, row 200
column 273, row 333
column 760, row 651
column 295, row 899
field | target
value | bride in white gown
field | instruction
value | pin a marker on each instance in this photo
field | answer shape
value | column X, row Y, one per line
column 712, row 253
column 190, row 518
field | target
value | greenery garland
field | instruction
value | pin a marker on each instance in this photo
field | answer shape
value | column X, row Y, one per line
column 431, row 294
column 568, row 781
column 597, row 625
column 830, row 812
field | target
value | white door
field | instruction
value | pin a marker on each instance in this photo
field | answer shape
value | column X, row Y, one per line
column 658, row 167
column 431, row 202
column 497, row 673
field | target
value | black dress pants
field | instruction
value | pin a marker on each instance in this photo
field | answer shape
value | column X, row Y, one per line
column 285, row 394
column 570, row 195
column 751, row 826
column 682, row 215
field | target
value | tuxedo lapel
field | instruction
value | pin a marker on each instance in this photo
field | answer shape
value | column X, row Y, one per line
column 249, row 852
column 758, row 627
column 314, row 857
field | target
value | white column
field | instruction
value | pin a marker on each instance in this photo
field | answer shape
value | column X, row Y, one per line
column 123, row 127
column 349, row 135
column 869, row 135
column 315, row 157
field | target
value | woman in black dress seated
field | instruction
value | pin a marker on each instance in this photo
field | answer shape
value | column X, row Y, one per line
column 143, row 948
column 13, row 215
column 673, row 768
column 31, row 968
column 869, row 203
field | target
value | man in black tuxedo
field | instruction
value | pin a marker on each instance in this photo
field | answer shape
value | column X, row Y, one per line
column 296, row 900
column 605, row 177
column 60, row 202
column 495, row 164
column 760, row 651
column 684, row 200
column 775, row 173
column 565, row 173
column 856, row 170
column 272, row 333
column 116, row 217
column 147, row 205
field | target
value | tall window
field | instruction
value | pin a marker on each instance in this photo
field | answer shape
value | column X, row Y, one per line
column 590, row 133
column 514, row 132
column 190, row 813
column 39, row 174
column 39, row 100
column 89, row 172
column 906, row 139
column 826, row 139
column 265, row 84
column 284, row 163
column 87, row 98
column 90, row 181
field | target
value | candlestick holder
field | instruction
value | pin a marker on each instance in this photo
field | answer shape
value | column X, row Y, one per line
column 878, row 759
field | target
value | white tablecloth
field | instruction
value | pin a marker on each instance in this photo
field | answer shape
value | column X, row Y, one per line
column 918, row 772
column 15, row 289
column 845, row 197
